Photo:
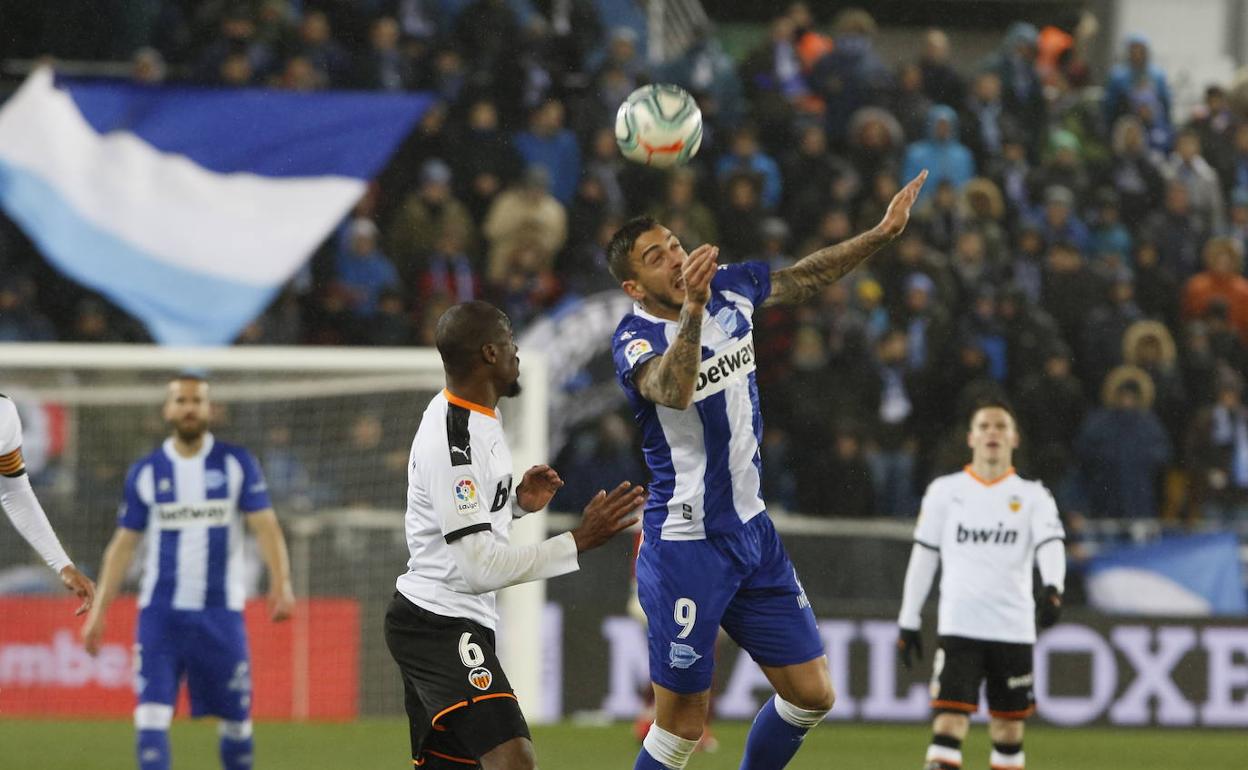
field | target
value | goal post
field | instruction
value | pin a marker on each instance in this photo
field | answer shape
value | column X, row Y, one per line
column 331, row 427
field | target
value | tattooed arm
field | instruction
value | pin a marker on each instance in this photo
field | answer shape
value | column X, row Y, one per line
column 828, row 265
column 669, row 380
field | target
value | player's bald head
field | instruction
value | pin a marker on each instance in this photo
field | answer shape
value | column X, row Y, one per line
column 464, row 329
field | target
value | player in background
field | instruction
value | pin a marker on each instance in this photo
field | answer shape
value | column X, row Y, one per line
column 710, row 556
column 440, row 625
column 985, row 528
column 23, row 508
column 190, row 497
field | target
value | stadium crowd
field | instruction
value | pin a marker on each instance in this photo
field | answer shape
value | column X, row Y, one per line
column 1079, row 246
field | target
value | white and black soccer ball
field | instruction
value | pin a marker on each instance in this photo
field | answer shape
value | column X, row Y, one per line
column 659, row 125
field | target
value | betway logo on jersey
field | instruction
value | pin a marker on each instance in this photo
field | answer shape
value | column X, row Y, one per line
column 998, row 536
column 726, row 367
column 210, row 513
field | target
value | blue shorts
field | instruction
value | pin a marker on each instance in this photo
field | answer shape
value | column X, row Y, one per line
column 207, row 647
column 742, row 581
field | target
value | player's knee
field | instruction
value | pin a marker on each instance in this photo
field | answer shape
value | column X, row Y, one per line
column 818, row 696
column 1005, row 730
column 153, row 716
column 515, row 754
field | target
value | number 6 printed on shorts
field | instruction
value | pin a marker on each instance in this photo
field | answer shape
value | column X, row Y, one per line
column 469, row 651
column 685, row 614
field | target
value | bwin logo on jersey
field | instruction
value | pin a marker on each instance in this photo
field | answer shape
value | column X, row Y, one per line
column 682, row 656
column 998, row 536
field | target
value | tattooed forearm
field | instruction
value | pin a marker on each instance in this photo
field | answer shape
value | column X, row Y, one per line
column 669, row 380
column 823, row 267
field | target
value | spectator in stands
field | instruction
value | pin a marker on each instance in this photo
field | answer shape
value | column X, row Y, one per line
column 1051, row 408
column 1012, row 173
column 1156, row 289
column 908, row 102
column 1237, row 174
column 1177, row 232
column 984, row 212
column 1217, row 453
column 1100, row 343
column 1111, row 241
column 927, row 325
column 485, row 161
column 1030, row 332
column 942, row 82
column 391, row 325
column 945, row 158
column 986, row 122
column 1134, row 78
column 425, row 218
column 1214, row 125
column 741, row 216
column 524, row 215
column 316, row 43
column 1150, row 346
column 20, row 320
column 876, row 142
column 448, row 273
column 1237, row 227
column 1064, row 167
column 914, row 255
column 384, row 66
column 774, row 82
column 745, row 156
column 598, row 456
column 1222, row 279
column 1204, row 189
column 879, row 191
column 1022, row 91
column 681, row 202
column 362, row 270
column 705, row 70
column 892, row 458
column 1058, row 221
column 235, row 49
column 488, row 32
column 1069, row 288
column 843, row 468
column 852, row 75
column 939, row 219
column 1122, row 449
column 549, row 145
column 147, row 66
column 810, row 171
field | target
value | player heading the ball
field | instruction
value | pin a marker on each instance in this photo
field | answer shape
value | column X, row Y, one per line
column 710, row 556
column 440, row 625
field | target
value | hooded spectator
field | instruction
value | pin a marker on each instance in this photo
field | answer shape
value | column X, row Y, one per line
column 945, row 159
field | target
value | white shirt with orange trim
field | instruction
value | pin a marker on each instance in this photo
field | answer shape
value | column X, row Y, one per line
column 459, row 485
column 987, row 535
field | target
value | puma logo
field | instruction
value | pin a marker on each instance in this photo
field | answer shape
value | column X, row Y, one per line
column 463, row 452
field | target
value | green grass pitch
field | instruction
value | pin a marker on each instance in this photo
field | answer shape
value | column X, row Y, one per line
column 382, row 743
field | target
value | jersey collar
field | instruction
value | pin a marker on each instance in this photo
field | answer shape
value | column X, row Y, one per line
column 204, row 448
column 466, row 404
column 1008, row 472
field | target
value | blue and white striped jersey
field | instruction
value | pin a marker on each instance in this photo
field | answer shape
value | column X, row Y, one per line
column 705, row 466
column 191, row 509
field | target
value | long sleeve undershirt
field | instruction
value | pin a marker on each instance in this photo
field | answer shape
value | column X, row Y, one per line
column 23, row 509
column 919, row 576
column 488, row 565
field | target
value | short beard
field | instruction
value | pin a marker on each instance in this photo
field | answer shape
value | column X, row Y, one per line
column 190, row 435
column 513, row 390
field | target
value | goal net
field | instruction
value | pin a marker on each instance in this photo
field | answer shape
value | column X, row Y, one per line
column 331, row 429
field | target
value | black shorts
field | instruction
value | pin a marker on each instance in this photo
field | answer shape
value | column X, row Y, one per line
column 459, row 703
column 962, row 664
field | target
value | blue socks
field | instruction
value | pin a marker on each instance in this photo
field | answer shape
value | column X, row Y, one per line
column 773, row 740
column 152, row 747
column 647, row 762
column 236, row 755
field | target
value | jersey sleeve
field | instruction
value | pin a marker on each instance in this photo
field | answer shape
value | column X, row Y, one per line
column 254, row 495
column 751, row 280
column 10, row 439
column 455, row 493
column 135, row 509
column 633, row 345
column 931, row 524
column 1046, row 523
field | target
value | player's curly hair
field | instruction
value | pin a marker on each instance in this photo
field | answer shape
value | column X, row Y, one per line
column 621, row 245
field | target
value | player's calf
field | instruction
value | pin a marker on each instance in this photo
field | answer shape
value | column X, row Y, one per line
column 151, row 724
column 236, row 745
column 515, row 754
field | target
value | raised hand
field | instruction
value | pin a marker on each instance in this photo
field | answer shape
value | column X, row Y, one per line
column 81, row 585
column 697, row 271
column 540, row 483
column 898, row 214
column 608, row 514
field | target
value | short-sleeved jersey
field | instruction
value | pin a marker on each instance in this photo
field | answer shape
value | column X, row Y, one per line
column 10, row 438
column 191, row 510
column 458, row 484
column 704, row 461
column 987, row 535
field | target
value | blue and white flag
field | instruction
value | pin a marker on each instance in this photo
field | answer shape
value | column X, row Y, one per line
column 188, row 207
column 1197, row 575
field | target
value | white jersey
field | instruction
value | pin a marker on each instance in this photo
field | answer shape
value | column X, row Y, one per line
column 10, row 438
column 987, row 535
column 458, row 483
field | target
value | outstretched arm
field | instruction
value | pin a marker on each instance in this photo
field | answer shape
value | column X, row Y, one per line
column 669, row 380
column 117, row 558
column 826, row 266
column 263, row 524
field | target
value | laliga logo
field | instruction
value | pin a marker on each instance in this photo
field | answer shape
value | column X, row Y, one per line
column 480, row 678
column 465, row 491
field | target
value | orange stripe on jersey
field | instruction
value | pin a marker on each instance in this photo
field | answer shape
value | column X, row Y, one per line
column 465, row 403
column 449, row 758
column 1008, row 472
column 11, row 462
column 480, row 698
column 955, row 705
column 444, row 712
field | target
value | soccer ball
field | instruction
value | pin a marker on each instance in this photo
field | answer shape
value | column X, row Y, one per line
column 659, row 125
